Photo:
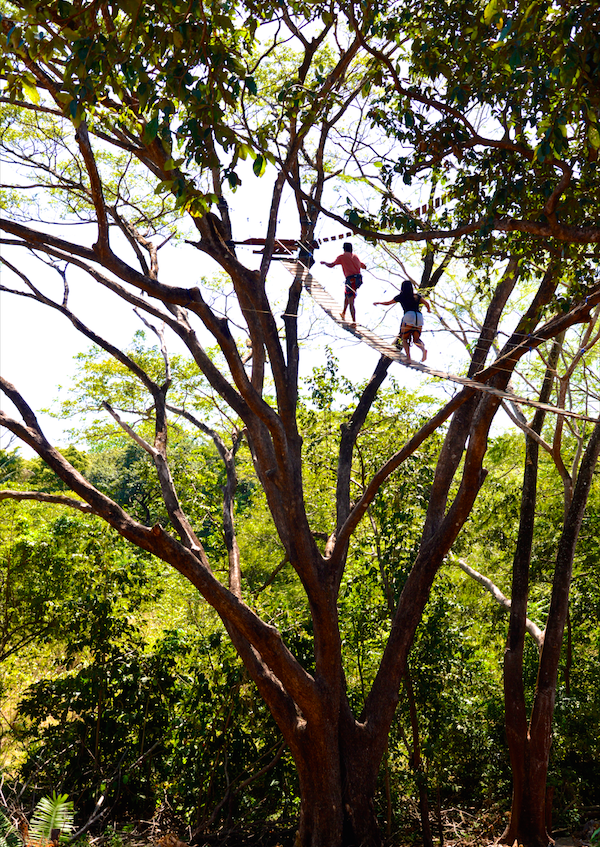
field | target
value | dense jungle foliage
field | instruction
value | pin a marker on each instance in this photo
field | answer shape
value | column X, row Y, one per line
column 121, row 690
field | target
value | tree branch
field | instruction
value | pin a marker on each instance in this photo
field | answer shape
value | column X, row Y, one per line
column 42, row 497
column 536, row 633
column 388, row 468
column 83, row 139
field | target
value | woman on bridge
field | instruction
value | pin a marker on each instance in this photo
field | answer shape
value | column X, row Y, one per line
column 412, row 321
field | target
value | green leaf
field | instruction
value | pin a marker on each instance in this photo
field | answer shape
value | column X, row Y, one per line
column 594, row 137
column 54, row 812
column 224, row 22
column 165, row 185
column 505, row 30
column 31, row 92
column 244, row 150
column 529, row 10
column 259, row 165
column 150, row 131
column 490, row 10
column 75, row 112
column 130, row 7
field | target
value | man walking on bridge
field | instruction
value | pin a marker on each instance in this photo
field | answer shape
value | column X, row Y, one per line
column 351, row 267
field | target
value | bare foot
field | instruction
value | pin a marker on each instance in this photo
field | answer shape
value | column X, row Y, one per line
column 424, row 355
column 343, row 316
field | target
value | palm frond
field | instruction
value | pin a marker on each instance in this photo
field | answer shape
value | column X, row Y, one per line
column 51, row 815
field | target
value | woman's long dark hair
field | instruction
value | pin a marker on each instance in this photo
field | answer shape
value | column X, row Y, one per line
column 407, row 287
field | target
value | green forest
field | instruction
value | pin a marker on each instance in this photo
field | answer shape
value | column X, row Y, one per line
column 244, row 598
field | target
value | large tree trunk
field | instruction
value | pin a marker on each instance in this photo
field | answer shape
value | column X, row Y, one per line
column 361, row 827
column 360, row 766
column 337, row 805
column 336, row 786
column 321, row 810
column 530, row 814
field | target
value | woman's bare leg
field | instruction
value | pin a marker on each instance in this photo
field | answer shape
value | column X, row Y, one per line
column 420, row 345
column 405, row 338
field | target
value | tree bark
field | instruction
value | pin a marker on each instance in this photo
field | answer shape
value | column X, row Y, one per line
column 321, row 811
column 514, row 690
column 361, row 828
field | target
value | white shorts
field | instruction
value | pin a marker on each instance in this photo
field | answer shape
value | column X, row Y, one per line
column 412, row 319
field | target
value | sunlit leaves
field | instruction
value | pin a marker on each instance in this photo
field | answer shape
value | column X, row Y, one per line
column 153, row 69
column 497, row 101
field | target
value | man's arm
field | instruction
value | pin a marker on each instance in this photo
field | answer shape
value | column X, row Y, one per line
column 336, row 261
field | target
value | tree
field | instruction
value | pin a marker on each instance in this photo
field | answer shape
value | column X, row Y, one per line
column 39, row 557
column 134, row 119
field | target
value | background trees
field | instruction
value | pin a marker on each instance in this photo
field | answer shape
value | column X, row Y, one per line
column 134, row 120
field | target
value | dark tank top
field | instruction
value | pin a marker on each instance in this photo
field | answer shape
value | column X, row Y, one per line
column 409, row 302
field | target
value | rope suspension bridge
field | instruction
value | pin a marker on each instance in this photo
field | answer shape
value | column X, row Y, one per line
column 322, row 297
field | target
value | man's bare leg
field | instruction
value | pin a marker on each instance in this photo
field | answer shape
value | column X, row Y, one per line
column 352, row 310
column 346, row 302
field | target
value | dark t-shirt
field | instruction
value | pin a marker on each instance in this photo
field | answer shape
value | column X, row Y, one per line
column 409, row 302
